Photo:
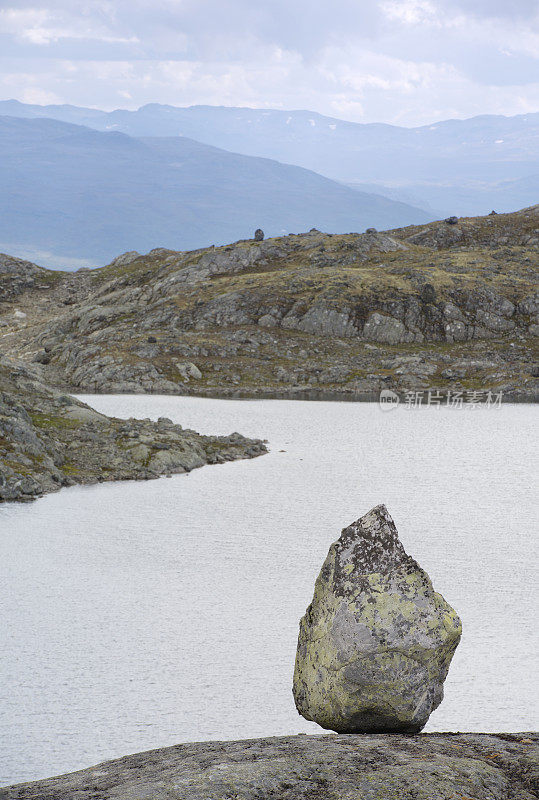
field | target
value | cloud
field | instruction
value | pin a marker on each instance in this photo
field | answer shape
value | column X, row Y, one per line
column 36, row 96
column 501, row 9
column 407, row 61
column 410, row 12
column 41, row 26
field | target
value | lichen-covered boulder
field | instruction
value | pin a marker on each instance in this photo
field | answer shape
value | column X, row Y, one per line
column 376, row 642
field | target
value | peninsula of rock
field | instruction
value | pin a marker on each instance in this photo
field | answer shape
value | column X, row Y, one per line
column 49, row 440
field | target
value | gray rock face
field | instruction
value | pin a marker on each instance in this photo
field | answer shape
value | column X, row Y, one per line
column 435, row 766
column 382, row 328
column 18, row 266
column 124, row 259
column 376, row 642
column 17, row 276
column 188, row 370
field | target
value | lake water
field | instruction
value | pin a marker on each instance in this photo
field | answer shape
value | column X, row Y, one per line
column 139, row 615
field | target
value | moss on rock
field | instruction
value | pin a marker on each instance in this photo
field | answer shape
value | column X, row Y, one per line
column 376, row 642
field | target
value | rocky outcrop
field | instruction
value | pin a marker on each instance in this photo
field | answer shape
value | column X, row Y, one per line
column 483, row 231
column 9, row 265
column 376, row 642
column 49, row 440
column 125, row 258
column 296, row 307
column 18, row 276
column 465, row 766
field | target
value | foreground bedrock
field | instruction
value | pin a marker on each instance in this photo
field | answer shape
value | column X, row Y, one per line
column 327, row 767
column 376, row 642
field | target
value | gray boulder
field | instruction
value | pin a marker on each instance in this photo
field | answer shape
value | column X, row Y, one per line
column 376, row 642
column 428, row 293
column 188, row 370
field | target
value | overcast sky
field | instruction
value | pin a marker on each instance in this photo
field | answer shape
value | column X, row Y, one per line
column 408, row 62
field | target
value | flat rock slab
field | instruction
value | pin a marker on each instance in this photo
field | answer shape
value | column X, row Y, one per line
column 433, row 766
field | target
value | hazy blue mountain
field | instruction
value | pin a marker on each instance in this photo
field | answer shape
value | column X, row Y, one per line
column 468, row 200
column 455, row 166
column 496, row 147
column 64, row 113
column 73, row 192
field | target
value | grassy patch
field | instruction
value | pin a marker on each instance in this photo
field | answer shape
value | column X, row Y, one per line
column 56, row 422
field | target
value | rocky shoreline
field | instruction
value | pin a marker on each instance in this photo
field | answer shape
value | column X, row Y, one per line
column 334, row 395
column 49, row 440
column 435, row 766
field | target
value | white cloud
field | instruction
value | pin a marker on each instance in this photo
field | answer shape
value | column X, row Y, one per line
column 410, row 12
column 36, row 96
column 42, row 27
column 402, row 61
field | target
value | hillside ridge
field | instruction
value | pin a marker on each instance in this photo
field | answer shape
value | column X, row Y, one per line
column 447, row 306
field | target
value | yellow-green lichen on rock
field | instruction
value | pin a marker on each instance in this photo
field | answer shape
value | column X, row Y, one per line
column 376, row 642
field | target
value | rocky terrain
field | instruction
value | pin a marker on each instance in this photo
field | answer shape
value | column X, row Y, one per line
column 445, row 766
column 49, row 440
column 448, row 307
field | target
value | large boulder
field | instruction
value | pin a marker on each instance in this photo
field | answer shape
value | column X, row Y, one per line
column 376, row 642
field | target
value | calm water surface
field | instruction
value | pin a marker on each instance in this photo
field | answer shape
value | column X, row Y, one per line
column 138, row 615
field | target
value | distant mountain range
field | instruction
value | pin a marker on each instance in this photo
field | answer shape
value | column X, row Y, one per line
column 442, row 200
column 462, row 167
column 73, row 196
